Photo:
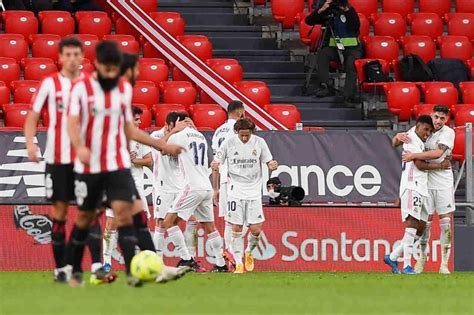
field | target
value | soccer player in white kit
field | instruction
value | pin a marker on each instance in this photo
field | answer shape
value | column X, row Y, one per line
column 244, row 154
column 440, row 186
column 413, row 194
column 195, row 198
column 235, row 110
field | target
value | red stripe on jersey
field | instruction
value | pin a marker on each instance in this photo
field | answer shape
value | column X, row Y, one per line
column 90, row 123
column 58, row 123
column 105, row 133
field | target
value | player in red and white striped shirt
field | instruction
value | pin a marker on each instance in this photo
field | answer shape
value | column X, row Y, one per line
column 53, row 98
column 100, row 125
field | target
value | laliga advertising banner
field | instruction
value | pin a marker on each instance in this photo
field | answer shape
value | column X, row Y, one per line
column 331, row 166
column 294, row 239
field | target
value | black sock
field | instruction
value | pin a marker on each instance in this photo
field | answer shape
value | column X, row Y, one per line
column 95, row 242
column 58, row 241
column 127, row 240
column 76, row 248
column 144, row 237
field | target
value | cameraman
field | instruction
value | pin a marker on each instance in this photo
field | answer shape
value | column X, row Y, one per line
column 342, row 18
column 284, row 196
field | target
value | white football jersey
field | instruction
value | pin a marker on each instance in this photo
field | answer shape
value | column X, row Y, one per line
column 224, row 132
column 137, row 171
column 412, row 177
column 167, row 176
column 441, row 179
column 193, row 162
column 244, row 161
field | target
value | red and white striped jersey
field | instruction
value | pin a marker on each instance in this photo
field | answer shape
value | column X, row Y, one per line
column 54, row 94
column 103, row 116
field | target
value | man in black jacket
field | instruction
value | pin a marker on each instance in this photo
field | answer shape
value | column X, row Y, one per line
column 342, row 18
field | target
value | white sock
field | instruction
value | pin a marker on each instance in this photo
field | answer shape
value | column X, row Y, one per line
column 445, row 240
column 159, row 240
column 252, row 242
column 228, row 236
column 245, row 229
column 190, row 237
column 407, row 241
column 95, row 266
column 237, row 246
column 177, row 238
column 425, row 239
column 217, row 246
column 109, row 244
column 396, row 252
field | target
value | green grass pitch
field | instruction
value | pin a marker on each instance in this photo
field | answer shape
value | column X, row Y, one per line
column 250, row 293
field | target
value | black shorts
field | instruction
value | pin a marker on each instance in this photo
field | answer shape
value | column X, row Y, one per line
column 92, row 190
column 59, row 182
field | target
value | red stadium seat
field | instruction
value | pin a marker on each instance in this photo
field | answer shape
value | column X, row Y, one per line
column 461, row 24
column 470, row 65
column 403, row 7
column 24, row 90
column 366, row 86
column 33, row 37
column 123, row 27
column 440, row 93
column 53, row 14
column 89, row 41
column 4, row 93
column 149, row 51
column 382, row 47
column 11, row 36
column 208, row 115
column 422, row 46
column 389, row 24
column 459, row 107
column 46, row 47
column 178, row 92
column 197, row 44
column 147, row 5
column 61, row 26
column 285, row 11
column 15, row 117
column 364, row 26
column 464, row 115
column 455, row 47
column 15, row 13
column 145, row 92
column 97, row 25
column 257, row 91
column 309, row 34
column 401, row 98
column 146, row 117
column 172, row 22
column 426, row 109
column 153, row 69
column 27, row 61
column 37, row 71
column 161, row 111
column 467, row 91
column 14, row 48
column 9, row 70
column 229, row 70
column 366, row 7
column 94, row 14
column 21, row 24
column 86, row 65
column 440, row 7
column 286, row 114
column 16, row 106
column 429, row 24
column 459, row 150
column 464, row 6
column 126, row 43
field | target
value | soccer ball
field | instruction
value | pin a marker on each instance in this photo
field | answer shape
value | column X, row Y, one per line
column 146, row 265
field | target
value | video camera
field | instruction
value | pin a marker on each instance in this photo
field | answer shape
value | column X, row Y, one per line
column 284, row 195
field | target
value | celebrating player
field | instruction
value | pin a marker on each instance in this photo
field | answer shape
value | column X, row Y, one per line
column 195, row 198
column 100, row 125
column 235, row 110
column 53, row 94
column 440, row 185
column 413, row 193
column 244, row 154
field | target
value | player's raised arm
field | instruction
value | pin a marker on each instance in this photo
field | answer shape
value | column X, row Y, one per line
column 400, row 138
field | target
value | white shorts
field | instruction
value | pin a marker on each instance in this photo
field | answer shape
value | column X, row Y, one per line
column 162, row 202
column 110, row 213
column 197, row 202
column 244, row 212
column 441, row 201
column 413, row 204
column 223, row 200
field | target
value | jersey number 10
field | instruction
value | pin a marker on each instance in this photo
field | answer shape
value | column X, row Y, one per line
column 196, row 148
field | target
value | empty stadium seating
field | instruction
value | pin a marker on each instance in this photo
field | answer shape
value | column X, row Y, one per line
column 14, row 48
column 24, row 24
column 172, row 22
column 257, row 91
column 179, row 92
column 4, row 93
column 401, row 98
column 366, row 7
column 23, row 90
column 146, row 117
column 287, row 114
column 459, row 150
column 464, row 6
column 9, row 70
column 37, row 71
column 440, row 93
column 59, row 25
column 467, row 92
column 15, row 117
column 285, row 11
column 461, row 24
column 389, row 24
column 208, row 115
column 89, row 41
column 402, row 7
column 126, row 43
column 46, row 46
column 368, row 86
column 429, row 24
column 98, row 25
column 464, row 115
column 452, row 46
column 123, row 27
column 382, row 47
column 419, row 45
column 153, row 69
column 440, row 7
column 146, row 93
column 161, row 111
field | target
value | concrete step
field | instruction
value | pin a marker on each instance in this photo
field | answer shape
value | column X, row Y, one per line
column 215, row 19
column 316, row 113
column 342, row 124
column 197, row 7
column 252, row 55
column 272, row 66
column 285, row 89
column 276, row 78
column 248, row 31
column 243, row 43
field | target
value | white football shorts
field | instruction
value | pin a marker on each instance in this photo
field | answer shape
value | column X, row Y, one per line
column 197, row 202
column 441, row 201
column 244, row 212
column 413, row 204
column 162, row 202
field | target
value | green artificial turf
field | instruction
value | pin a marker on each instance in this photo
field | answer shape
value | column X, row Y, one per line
column 250, row 293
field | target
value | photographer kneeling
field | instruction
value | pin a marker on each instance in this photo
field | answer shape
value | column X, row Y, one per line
column 284, row 196
column 341, row 38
